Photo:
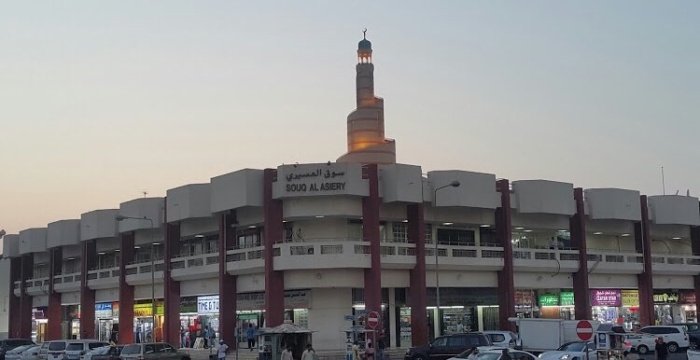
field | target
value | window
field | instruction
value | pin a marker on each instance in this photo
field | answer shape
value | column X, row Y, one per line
column 497, row 338
column 131, row 350
column 248, row 238
column 96, row 345
column 148, row 349
column 399, row 232
column 57, row 346
column 74, row 347
column 440, row 342
column 428, row 233
column 461, row 237
column 456, row 341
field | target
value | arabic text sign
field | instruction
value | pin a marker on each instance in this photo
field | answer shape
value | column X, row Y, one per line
column 606, row 297
column 319, row 179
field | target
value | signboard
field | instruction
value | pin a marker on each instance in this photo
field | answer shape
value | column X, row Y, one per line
column 103, row 311
column 143, row 310
column 188, row 305
column 548, row 300
column 584, row 330
column 208, row 304
column 523, row 298
column 630, row 298
column 670, row 297
column 687, row 297
column 566, row 298
column 373, row 319
column 320, row 179
column 606, row 297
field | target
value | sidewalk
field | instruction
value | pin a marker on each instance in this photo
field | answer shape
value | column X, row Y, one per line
column 245, row 354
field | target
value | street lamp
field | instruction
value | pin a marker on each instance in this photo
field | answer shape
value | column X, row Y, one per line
column 453, row 183
column 153, row 272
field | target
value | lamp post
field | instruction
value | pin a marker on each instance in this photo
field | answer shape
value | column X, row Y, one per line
column 153, row 271
column 453, row 183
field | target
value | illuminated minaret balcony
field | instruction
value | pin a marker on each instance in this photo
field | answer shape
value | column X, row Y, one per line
column 366, row 141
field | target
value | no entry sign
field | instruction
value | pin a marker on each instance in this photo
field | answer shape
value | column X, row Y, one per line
column 373, row 319
column 584, row 330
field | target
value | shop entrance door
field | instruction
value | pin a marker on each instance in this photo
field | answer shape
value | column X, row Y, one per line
column 104, row 329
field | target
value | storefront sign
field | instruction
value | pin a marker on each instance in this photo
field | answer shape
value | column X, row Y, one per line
column 566, row 298
column 523, row 298
column 687, row 297
column 548, row 300
column 208, row 304
column 103, row 311
column 319, row 179
column 188, row 305
column 670, row 297
column 142, row 310
column 606, row 298
column 630, row 298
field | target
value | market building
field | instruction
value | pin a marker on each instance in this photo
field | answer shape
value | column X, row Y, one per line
column 325, row 244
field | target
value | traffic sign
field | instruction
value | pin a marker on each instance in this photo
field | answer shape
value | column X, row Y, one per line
column 584, row 330
column 373, row 319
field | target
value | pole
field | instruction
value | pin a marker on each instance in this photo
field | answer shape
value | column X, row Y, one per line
column 153, row 283
column 454, row 183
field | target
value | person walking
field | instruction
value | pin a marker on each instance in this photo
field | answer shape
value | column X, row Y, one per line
column 250, row 335
column 661, row 349
column 309, row 353
column 287, row 353
column 223, row 349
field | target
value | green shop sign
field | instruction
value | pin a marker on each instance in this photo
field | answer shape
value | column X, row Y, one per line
column 548, row 300
column 566, row 298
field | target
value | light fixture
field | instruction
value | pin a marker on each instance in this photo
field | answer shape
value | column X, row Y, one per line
column 117, row 250
column 70, row 258
column 677, row 238
column 528, row 230
column 519, row 228
column 101, row 253
column 252, row 227
column 319, row 216
column 404, row 220
column 598, row 233
column 485, row 226
column 137, row 247
column 156, row 243
column 199, row 236
column 625, row 235
column 447, row 223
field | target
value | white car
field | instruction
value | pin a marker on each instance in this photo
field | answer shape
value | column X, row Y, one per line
column 575, row 350
column 16, row 353
column 493, row 353
column 502, row 338
column 642, row 343
column 31, row 353
column 675, row 336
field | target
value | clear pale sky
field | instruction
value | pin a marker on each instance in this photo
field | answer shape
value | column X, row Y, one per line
column 101, row 100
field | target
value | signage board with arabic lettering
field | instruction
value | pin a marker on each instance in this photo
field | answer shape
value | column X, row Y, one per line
column 666, row 297
column 566, row 298
column 630, row 298
column 548, row 300
column 320, row 179
column 606, row 297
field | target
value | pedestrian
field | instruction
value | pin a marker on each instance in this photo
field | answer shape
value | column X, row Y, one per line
column 309, row 353
column 223, row 349
column 661, row 349
column 369, row 351
column 250, row 335
column 206, row 336
column 287, row 353
column 356, row 351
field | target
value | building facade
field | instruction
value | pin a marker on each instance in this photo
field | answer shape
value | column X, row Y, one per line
column 328, row 245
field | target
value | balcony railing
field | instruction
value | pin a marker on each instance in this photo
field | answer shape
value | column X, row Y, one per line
column 245, row 254
column 545, row 254
column 67, row 278
column 453, row 251
column 144, row 267
column 204, row 259
column 103, row 273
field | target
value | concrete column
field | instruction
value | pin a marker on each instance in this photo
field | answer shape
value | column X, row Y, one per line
column 227, row 282
column 370, row 233
column 274, row 233
column 87, row 295
column 15, row 304
column 390, row 341
column 126, row 292
column 577, row 225
column 417, row 290
column 642, row 238
column 171, row 288
column 504, row 235
column 25, row 316
column 53, row 327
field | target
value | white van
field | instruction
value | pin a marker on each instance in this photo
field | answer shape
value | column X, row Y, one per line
column 76, row 349
column 55, row 350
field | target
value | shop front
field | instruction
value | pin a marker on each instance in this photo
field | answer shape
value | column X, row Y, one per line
column 145, row 330
column 674, row 306
column 39, row 323
column 70, row 323
column 525, row 303
column 107, row 321
column 463, row 310
column 556, row 305
column 615, row 306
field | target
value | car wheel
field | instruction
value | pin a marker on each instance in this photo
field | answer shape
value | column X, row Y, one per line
column 642, row 349
column 672, row 347
column 693, row 345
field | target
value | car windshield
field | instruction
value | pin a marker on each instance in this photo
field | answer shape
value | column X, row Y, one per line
column 19, row 349
column 131, row 350
column 488, row 356
column 57, row 346
column 74, row 347
column 575, row 346
column 100, row 350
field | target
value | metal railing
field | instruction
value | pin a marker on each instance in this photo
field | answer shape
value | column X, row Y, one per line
column 197, row 260
column 545, row 254
column 245, row 254
column 452, row 251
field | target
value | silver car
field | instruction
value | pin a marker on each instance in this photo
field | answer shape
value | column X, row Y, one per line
column 16, row 353
column 76, row 349
column 152, row 351
column 32, row 353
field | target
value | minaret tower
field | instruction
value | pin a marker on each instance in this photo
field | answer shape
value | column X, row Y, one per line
column 366, row 141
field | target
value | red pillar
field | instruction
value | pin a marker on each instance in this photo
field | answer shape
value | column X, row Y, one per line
column 15, row 308
column 370, row 233
column 53, row 327
column 504, row 235
column 227, row 282
column 274, row 232
column 25, row 316
column 126, row 292
column 87, row 295
column 646, row 286
column 417, row 291
column 577, row 223
column 171, row 288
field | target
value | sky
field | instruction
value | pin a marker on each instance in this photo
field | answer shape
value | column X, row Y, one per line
column 101, row 101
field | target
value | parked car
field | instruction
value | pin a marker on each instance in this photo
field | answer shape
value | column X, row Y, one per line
column 642, row 343
column 675, row 336
column 152, row 351
column 493, row 353
column 16, row 353
column 445, row 347
column 502, row 338
column 9, row 344
column 575, row 350
column 32, row 353
column 76, row 349
column 104, row 353
column 53, row 350
column 693, row 330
